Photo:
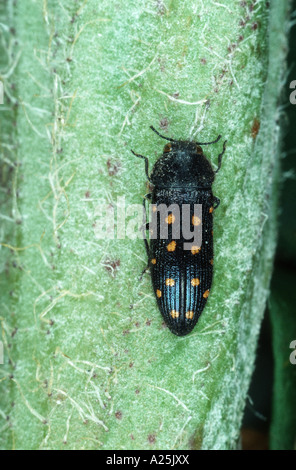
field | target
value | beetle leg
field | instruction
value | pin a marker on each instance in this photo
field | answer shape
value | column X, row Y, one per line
column 220, row 156
column 145, row 225
column 146, row 164
column 144, row 271
column 216, row 202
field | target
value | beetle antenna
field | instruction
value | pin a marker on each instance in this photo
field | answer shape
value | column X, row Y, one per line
column 162, row 136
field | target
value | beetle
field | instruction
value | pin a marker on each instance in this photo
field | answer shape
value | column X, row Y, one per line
column 181, row 178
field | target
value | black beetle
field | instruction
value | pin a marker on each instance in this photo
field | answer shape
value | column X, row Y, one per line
column 181, row 178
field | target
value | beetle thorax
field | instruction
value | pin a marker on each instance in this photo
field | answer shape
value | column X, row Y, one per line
column 182, row 168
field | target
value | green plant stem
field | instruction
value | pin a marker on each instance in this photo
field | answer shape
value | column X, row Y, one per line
column 92, row 365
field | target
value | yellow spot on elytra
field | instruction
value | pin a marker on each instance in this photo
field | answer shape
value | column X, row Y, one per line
column 189, row 314
column 196, row 220
column 195, row 249
column 175, row 314
column 153, row 261
column 170, row 219
column 211, row 209
column 206, row 294
column 158, row 293
column 212, row 262
column 172, row 246
column 169, row 282
column 195, row 282
column 154, row 209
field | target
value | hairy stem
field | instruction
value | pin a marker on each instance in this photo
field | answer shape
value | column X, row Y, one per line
column 88, row 362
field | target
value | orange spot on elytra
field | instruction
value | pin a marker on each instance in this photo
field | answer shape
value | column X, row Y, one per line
column 195, row 282
column 174, row 314
column 196, row 220
column 211, row 209
column 170, row 219
column 153, row 261
column 169, row 282
column 189, row 314
column 195, row 249
column 172, row 246
column 158, row 293
column 206, row 294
